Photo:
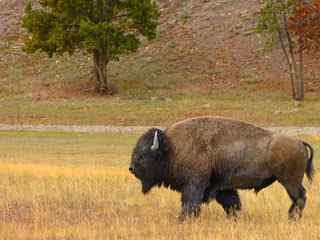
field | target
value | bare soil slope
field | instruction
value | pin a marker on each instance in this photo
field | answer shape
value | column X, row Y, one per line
column 11, row 12
column 202, row 45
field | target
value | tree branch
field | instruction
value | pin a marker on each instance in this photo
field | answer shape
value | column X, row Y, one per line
column 309, row 4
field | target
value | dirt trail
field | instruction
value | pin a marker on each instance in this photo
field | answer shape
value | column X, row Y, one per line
column 136, row 129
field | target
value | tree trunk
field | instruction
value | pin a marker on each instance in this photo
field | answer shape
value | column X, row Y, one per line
column 297, row 81
column 296, row 73
column 100, row 70
column 300, row 80
column 289, row 62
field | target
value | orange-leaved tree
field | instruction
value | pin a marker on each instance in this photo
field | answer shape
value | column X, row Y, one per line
column 295, row 25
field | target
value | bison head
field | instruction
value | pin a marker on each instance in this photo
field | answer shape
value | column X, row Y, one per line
column 148, row 161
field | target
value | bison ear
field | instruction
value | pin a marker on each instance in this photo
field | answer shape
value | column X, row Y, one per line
column 155, row 145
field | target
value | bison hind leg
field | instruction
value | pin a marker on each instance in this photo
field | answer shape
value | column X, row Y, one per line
column 209, row 195
column 230, row 201
column 297, row 195
column 265, row 183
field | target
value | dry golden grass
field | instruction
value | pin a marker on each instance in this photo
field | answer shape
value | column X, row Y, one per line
column 93, row 196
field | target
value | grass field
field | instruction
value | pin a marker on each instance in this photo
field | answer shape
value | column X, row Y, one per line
column 76, row 186
column 146, row 109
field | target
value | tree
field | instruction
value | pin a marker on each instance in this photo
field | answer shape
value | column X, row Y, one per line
column 305, row 24
column 295, row 25
column 105, row 29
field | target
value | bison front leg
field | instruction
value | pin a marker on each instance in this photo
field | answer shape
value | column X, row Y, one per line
column 191, row 199
column 230, row 201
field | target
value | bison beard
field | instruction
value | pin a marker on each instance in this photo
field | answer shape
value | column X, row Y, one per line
column 210, row 158
column 146, row 186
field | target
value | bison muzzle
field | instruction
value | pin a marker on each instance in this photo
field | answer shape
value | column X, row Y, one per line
column 210, row 158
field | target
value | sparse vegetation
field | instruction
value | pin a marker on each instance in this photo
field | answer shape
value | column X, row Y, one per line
column 200, row 54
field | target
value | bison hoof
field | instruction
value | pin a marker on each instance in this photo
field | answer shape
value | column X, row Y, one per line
column 295, row 215
column 233, row 214
column 182, row 218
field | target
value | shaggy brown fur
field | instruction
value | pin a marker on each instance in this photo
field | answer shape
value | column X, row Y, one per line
column 209, row 158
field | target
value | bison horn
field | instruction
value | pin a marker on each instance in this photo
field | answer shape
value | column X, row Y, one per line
column 155, row 144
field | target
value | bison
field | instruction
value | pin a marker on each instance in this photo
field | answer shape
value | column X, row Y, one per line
column 208, row 158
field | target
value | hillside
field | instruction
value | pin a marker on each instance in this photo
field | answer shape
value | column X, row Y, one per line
column 202, row 46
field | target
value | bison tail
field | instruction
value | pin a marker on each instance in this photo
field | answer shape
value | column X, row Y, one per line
column 309, row 169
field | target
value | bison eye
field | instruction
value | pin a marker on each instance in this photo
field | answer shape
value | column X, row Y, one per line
column 143, row 156
column 141, row 159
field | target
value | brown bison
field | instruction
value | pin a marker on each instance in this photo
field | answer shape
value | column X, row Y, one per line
column 209, row 158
